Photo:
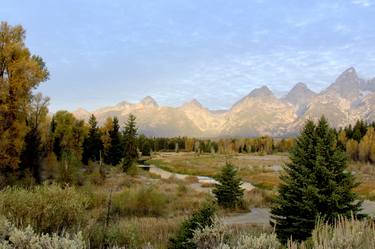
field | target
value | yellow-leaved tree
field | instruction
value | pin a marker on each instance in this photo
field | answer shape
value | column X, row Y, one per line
column 20, row 73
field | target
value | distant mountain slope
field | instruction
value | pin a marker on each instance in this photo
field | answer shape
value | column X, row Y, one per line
column 299, row 96
column 259, row 113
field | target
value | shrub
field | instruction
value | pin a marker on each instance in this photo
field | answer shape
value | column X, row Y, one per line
column 97, row 174
column 344, row 234
column 201, row 218
column 45, row 208
column 144, row 201
column 11, row 237
column 220, row 236
column 136, row 232
column 211, row 237
column 101, row 236
column 50, row 167
column 68, row 170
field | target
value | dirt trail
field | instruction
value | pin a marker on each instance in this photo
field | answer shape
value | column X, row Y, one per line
column 261, row 216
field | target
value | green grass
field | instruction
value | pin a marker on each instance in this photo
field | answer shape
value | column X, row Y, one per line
column 251, row 167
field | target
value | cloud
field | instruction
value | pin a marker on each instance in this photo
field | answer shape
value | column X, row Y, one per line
column 363, row 3
column 343, row 29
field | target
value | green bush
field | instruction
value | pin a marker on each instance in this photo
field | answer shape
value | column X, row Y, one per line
column 69, row 170
column 202, row 218
column 96, row 173
column 144, row 201
column 46, row 208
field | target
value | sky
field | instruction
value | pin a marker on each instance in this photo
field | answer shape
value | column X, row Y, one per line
column 103, row 52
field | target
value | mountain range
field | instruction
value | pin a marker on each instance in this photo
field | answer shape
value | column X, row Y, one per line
column 259, row 113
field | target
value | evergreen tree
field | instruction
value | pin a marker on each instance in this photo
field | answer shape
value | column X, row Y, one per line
column 144, row 145
column 315, row 184
column 200, row 219
column 115, row 150
column 130, row 143
column 93, row 145
column 228, row 192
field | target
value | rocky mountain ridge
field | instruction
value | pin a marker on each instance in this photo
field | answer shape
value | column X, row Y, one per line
column 259, row 113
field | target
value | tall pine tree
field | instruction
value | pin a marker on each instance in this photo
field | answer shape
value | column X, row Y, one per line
column 130, row 143
column 315, row 184
column 114, row 152
column 92, row 145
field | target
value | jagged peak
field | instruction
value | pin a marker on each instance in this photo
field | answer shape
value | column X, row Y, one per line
column 148, row 100
column 300, row 87
column 261, row 92
column 349, row 73
column 350, row 70
column 347, row 85
column 193, row 103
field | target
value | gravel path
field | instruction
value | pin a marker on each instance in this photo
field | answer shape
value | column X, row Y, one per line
column 261, row 216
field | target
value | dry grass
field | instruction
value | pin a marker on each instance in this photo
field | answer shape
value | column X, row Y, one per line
column 258, row 198
column 365, row 174
column 155, row 231
column 252, row 168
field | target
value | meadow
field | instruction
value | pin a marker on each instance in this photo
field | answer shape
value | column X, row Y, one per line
column 262, row 171
column 141, row 208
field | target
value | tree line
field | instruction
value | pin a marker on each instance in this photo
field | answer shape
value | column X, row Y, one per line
column 262, row 145
column 358, row 141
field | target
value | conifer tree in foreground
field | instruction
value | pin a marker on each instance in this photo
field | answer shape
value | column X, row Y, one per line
column 315, row 184
column 228, row 192
column 130, row 143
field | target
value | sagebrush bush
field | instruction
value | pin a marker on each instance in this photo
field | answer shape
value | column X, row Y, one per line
column 344, row 234
column 47, row 208
column 12, row 237
column 220, row 236
column 143, row 201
